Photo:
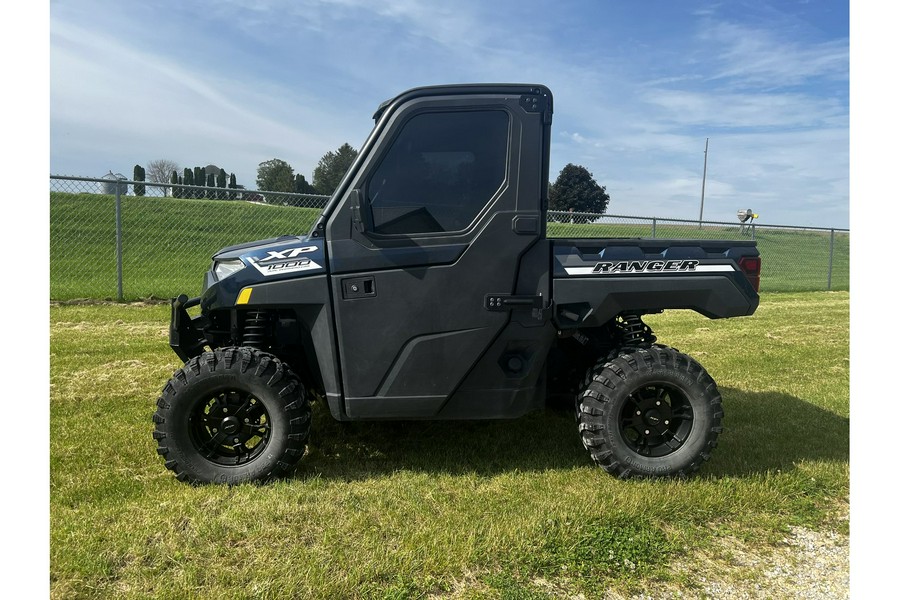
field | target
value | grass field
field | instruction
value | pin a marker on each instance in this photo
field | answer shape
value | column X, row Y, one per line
column 510, row 509
column 167, row 244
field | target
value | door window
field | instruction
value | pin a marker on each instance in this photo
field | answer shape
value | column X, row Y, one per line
column 441, row 170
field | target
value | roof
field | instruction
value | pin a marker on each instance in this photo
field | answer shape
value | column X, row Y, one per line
column 464, row 88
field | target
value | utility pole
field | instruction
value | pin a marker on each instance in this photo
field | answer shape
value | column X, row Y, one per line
column 703, row 187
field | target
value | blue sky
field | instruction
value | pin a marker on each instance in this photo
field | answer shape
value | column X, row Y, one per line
column 638, row 88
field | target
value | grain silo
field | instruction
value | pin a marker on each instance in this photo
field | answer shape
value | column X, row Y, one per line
column 108, row 186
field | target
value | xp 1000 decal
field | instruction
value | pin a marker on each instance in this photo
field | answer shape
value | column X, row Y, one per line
column 290, row 260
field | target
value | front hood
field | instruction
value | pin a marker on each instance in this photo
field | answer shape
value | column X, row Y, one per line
column 274, row 259
column 247, row 248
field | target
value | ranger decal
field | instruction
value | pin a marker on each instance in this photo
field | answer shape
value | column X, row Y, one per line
column 631, row 267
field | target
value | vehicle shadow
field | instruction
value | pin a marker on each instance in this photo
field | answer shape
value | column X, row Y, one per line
column 763, row 432
column 767, row 432
column 361, row 450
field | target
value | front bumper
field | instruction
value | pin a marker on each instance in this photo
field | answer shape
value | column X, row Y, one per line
column 186, row 335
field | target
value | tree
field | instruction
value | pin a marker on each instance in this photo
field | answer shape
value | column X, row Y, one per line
column 576, row 189
column 232, row 185
column 176, row 192
column 188, row 180
column 221, row 179
column 275, row 176
column 199, row 179
column 160, row 171
column 332, row 168
column 139, row 174
column 302, row 186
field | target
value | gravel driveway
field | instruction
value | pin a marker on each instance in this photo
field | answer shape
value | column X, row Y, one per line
column 807, row 565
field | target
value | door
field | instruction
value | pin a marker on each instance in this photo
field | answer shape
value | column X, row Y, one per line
column 451, row 200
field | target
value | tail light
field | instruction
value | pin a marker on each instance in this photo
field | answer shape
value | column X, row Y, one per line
column 751, row 267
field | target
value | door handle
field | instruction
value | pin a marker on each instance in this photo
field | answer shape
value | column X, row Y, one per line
column 358, row 287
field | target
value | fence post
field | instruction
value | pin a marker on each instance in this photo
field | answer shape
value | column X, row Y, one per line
column 119, row 295
column 753, row 231
column 830, row 259
column 653, row 235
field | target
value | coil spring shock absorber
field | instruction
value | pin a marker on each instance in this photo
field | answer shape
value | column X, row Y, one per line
column 255, row 328
column 635, row 332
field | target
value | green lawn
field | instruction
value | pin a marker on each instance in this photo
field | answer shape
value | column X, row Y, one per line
column 167, row 244
column 510, row 509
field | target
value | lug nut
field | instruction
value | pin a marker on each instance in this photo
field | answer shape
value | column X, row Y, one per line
column 638, row 412
column 657, row 403
column 237, row 440
column 666, row 422
column 215, row 430
column 248, row 420
column 226, row 410
column 647, row 431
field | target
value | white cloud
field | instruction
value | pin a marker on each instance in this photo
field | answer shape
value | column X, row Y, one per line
column 754, row 57
column 301, row 77
column 750, row 110
column 173, row 110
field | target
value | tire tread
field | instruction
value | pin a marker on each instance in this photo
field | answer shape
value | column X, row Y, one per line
column 597, row 394
column 239, row 360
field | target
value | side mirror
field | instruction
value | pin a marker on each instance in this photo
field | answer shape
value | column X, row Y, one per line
column 356, row 211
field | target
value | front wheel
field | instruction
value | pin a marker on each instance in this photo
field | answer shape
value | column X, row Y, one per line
column 651, row 413
column 232, row 415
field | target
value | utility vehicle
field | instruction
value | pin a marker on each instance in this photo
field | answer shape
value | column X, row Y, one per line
column 428, row 289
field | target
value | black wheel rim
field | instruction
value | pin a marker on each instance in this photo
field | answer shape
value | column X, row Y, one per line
column 230, row 428
column 656, row 419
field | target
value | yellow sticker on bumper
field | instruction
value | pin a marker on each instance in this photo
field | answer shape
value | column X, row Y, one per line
column 244, row 296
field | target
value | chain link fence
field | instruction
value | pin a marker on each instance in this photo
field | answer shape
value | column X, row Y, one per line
column 125, row 240
column 115, row 239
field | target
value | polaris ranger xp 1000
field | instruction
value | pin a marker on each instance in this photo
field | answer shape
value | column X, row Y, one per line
column 428, row 289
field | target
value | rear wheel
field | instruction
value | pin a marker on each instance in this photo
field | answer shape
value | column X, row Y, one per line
column 651, row 413
column 231, row 416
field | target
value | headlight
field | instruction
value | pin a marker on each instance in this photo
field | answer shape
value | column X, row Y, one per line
column 226, row 268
